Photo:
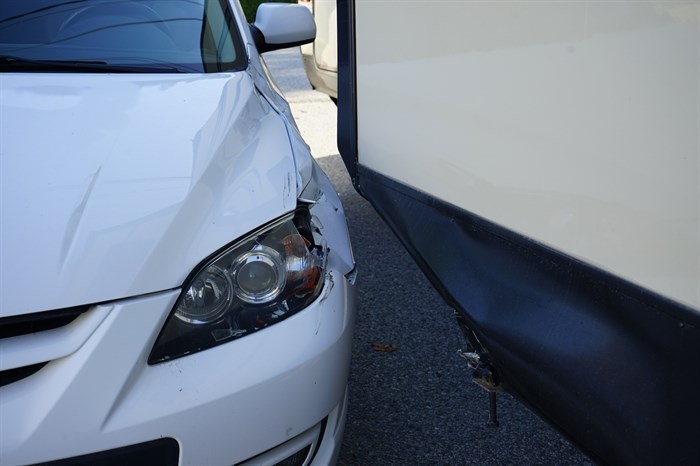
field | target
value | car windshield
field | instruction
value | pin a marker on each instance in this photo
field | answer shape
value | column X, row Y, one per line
column 119, row 35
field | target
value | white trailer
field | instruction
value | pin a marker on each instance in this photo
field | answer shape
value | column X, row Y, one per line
column 541, row 162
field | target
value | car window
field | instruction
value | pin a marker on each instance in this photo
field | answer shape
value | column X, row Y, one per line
column 136, row 35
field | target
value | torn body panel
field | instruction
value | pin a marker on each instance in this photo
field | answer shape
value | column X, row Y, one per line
column 609, row 364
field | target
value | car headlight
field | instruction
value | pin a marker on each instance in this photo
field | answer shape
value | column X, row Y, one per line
column 260, row 280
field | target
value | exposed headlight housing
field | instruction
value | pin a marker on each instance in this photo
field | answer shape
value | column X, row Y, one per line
column 260, row 280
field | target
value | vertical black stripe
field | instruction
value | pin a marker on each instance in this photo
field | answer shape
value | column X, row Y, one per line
column 347, row 93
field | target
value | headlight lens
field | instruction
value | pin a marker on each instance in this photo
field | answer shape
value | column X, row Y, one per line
column 259, row 281
column 207, row 298
column 259, row 275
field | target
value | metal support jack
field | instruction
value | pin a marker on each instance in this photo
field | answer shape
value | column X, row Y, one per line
column 484, row 374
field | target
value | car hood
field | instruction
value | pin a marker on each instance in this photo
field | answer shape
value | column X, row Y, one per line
column 115, row 186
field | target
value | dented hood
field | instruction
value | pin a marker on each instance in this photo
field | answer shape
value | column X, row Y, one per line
column 119, row 185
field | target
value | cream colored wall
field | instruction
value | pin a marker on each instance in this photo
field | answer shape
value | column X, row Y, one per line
column 575, row 123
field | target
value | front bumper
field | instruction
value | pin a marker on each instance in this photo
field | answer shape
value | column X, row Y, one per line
column 223, row 405
column 322, row 80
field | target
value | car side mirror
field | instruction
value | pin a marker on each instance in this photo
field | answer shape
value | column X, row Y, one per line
column 282, row 25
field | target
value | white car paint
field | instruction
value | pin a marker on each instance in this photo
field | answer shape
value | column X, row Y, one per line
column 114, row 188
column 109, row 215
column 223, row 405
column 535, row 134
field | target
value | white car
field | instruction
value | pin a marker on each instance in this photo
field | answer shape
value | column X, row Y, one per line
column 321, row 57
column 176, row 281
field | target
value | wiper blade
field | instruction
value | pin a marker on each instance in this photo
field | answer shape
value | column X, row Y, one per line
column 13, row 63
column 9, row 62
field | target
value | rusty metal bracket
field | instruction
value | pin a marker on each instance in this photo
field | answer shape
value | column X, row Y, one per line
column 483, row 373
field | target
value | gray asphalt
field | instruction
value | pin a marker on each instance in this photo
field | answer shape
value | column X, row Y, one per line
column 414, row 405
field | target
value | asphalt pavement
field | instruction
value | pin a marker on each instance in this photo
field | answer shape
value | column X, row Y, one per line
column 411, row 398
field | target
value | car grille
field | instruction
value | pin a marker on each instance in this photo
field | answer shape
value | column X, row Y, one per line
column 30, row 323
column 20, row 336
column 161, row 452
column 13, row 375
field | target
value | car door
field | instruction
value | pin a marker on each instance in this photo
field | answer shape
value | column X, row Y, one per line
column 541, row 163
